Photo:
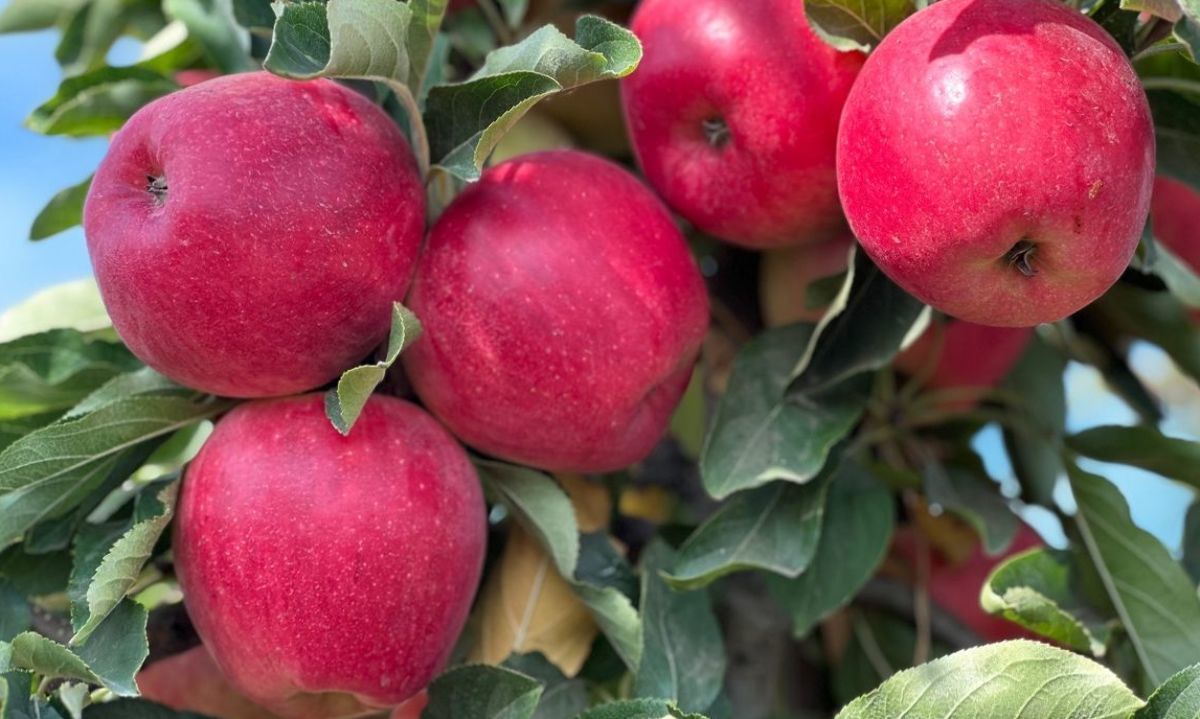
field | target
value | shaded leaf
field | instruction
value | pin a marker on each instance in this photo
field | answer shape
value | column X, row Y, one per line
column 144, row 381
column 683, row 658
column 1191, row 542
column 974, row 498
column 1178, row 698
column 26, row 15
column 855, row 532
column 136, row 709
column 757, row 436
column 638, row 709
column 856, row 24
column 1034, row 445
column 482, row 692
column 98, row 102
column 15, row 615
column 773, row 528
column 1177, row 122
column 213, row 25
column 1141, row 446
column 62, row 212
column 466, row 120
column 345, row 403
column 1154, row 598
column 53, row 370
column 1037, row 590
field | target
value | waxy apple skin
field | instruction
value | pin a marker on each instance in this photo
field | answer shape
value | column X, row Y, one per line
column 325, row 572
column 1175, row 218
column 290, row 221
column 757, row 69
column 979, row 128
column 562, row 311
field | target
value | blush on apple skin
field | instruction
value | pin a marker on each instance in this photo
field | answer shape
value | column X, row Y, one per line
column 562, row 311
column 326, row 572
column 964, row 356
column 988, row 176
column 733, row 114
column 1175, row 217
column 250, row 233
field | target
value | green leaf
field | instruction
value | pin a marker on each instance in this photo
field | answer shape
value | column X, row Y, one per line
column 1034, row 444
column 466, row 120
column 1038, row 590
column 969, row 494
column 1166, row 9
column 35, row 575
column 1191, row 542
column 774, row 528
column 855, row 532
column 758, row 436
column 54, row 370
column 48, row 472
column 683, row 658
column 73, row 696
column 482, row 692
column 638, row 709
column 514, row 11
column 1178, row 698
column 98, row 102
column 213, row 25
column 72, row 305
column 1177, row 275
column 1157, row 317
column 26, row 15
column 1188, row 28
column 15, row 615
column 141, row 382
column 93, row 28
column 1017, row 678
column 121, row 566
column 544, row 509
column 254, row 15
column 1154, row 598
column 345, row 403
column 1141, row 446
column 136, row 709
column 1177, row 124
column 562, row 698
column 856, row 24
column 353, row 39
column 862, row 330
column 112, row 657
column 62, row 212
column 422, row 34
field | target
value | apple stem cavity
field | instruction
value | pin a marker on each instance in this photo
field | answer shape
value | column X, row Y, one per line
column 1021, row 257
column 157, row 186
column 716, row 130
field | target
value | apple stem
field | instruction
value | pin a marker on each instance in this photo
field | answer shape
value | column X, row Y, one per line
column 717, row 132
column 1021, row 257
column 157, row 186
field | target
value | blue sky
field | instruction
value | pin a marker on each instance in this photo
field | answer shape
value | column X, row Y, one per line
column 33, row 168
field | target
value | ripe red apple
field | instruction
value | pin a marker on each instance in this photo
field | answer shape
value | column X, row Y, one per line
column 964, row 356
column 250, row 233
column 192, row 682
column 733, row 114
column 995, row 159
column 323, row 572
column 563, row 313
column 785, row 274
column 1175, row 217
column 954, row 587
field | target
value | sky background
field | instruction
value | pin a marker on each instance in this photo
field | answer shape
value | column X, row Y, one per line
column 33, row 168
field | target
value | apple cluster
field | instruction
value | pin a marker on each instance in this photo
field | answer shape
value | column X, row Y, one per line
column 250, row 235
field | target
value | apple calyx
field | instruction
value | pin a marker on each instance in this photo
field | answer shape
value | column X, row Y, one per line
column 1021, row 257
column 716, row 130
column 157, row 186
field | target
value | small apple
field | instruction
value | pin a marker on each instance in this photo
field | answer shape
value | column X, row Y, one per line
column 733, row 114
column 563, row 313
column 995, row 159
column 191, row 682
column 954, row 587
column 250, row 233
column 963, row 356
column 327, row 573
column 786, row 273
column 1175, row 218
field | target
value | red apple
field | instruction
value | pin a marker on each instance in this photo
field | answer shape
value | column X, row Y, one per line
column 250, row 233
column 995, row 159
column 1175, row 217
column 954, row 587
column 964, row 356
column 563, row 313
column 786, row 273
column 187, row 78
column 733, row 114
column 192, row 682
column 323, row 572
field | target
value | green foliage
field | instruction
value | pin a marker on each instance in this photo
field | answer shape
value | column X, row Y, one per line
column 62, row 212
column 857, row 24
column 482, row 691
column 345, row 403
column 97, row 103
